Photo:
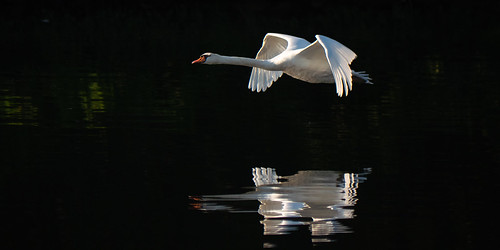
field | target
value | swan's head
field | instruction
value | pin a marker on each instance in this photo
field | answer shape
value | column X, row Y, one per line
column 208, row 58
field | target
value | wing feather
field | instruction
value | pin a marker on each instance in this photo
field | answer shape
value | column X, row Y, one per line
column 273, row 45
column 326, row 54
column 339, row 58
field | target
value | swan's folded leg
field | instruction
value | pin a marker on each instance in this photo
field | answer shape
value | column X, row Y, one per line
column 361, row 76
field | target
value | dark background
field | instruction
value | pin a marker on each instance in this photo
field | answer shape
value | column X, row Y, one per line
column 106, row 128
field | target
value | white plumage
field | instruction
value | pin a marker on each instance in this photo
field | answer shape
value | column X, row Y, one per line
column 323, row 61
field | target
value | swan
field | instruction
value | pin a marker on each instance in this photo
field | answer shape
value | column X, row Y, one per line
column 323, row 61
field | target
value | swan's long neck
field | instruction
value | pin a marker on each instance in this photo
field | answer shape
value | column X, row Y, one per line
column 243, row 61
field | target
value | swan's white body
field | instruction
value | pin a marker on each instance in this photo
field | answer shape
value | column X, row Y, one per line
column 323, row 61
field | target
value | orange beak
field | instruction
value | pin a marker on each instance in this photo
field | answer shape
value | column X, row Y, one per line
column 199, row 60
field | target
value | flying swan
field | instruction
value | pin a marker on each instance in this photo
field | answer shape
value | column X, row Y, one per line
column 323, row 61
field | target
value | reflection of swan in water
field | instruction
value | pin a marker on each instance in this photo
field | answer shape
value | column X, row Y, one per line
column 313, row 198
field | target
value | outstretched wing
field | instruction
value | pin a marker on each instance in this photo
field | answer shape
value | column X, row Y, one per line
column 326, row 53
column 273, row 45
column 339, row 58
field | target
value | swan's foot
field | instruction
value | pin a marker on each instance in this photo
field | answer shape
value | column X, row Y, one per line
column 361, row 77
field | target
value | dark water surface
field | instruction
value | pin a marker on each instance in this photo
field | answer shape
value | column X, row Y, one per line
column 110, row 139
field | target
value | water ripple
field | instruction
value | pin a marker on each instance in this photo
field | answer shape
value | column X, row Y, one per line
column 317, row 199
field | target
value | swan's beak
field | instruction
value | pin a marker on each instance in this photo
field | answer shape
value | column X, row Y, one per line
column 199, row 60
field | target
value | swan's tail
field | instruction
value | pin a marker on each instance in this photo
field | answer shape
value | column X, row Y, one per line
column 361, row 76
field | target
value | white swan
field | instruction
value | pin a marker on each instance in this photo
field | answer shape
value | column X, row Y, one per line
column 323, row 61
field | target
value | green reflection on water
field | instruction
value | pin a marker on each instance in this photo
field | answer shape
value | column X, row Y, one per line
column 17, row 110
column 92, row 103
